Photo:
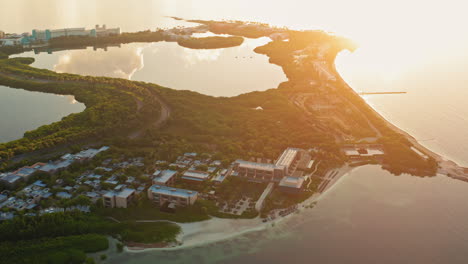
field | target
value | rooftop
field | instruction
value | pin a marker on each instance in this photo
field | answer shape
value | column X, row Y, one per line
column 56, row 165
column 160, row 189
column 258, row 166
column 125, row 193
column 292, row 182
column 287, row 157
column 63, row 195
column 196, row 175
column 11, row 178
column 164, row 176
column 364, row 152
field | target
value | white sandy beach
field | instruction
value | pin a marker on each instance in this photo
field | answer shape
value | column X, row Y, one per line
column 219, row 229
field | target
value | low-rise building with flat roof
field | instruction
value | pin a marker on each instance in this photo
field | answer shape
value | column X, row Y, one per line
column 10, row 180
column 198, row 176
column 166, row 177
column 285, row 165
column 119, row 199
column 63, row 195
column 364, row 151
column 221, row 176
column 161, row 195
column 53, row 167
column 259, row 171
column 104, row 31
column 291, row 184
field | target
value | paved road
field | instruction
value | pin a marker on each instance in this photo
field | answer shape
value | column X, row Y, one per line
column 266, row 192
column 163, row 117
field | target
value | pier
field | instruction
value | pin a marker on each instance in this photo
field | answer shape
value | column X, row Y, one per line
column 370, row 93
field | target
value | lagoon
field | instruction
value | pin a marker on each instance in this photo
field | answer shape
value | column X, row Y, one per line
column 216, row 72
column 21, row 111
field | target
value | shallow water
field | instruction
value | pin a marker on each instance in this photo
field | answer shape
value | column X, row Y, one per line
column 370, row 216
column 217, row 72
column 22, row 110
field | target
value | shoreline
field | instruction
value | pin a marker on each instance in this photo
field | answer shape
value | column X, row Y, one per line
column 202, row 233
column 221, row 229
column 447, row 167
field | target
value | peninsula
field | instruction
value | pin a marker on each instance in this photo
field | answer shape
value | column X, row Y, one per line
column 142, row 156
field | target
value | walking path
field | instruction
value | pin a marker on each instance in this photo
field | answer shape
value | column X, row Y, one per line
column 266, row 192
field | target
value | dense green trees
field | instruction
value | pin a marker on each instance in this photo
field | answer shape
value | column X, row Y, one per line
column 210, row 42
column 59, row 250
column 126, row 37
column 55, row 225
column 232, row 126
column 111, row 108
column 65, row 237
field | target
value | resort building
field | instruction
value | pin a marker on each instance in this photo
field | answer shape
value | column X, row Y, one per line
column 364, row 151
column 22, row 174
column 119, row 199
column 288, row 159
column 104, row 32
column 10, row 180
column 287, row 171
column 259, row 171
column 2, row 34
column 166, row 177
column 173, row 197
column 197, row 176
column 54, row 167
column 14, row 40
column 291, row 184
column 48, row 34
column 221, row 176
column 285, row 165
column 26, row 171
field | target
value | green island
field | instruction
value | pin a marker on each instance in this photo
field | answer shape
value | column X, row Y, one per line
column 154, row 131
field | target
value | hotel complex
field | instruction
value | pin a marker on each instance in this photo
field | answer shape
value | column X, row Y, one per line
column 173, row 197
column 43, row 36
column 48, row 34
column 287, row 170
column 119, row 199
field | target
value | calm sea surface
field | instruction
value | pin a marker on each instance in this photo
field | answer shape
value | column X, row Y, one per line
column 370, row 216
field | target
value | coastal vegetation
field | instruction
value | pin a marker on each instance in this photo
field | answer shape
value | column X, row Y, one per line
column 232, row 126
column 113, row 107
column 210, row 42
column 228, row 126
column 59, row 250
column 66, row 237
column 238, row 28
column 5, row 51
column 80, row 41
column 147, row 210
